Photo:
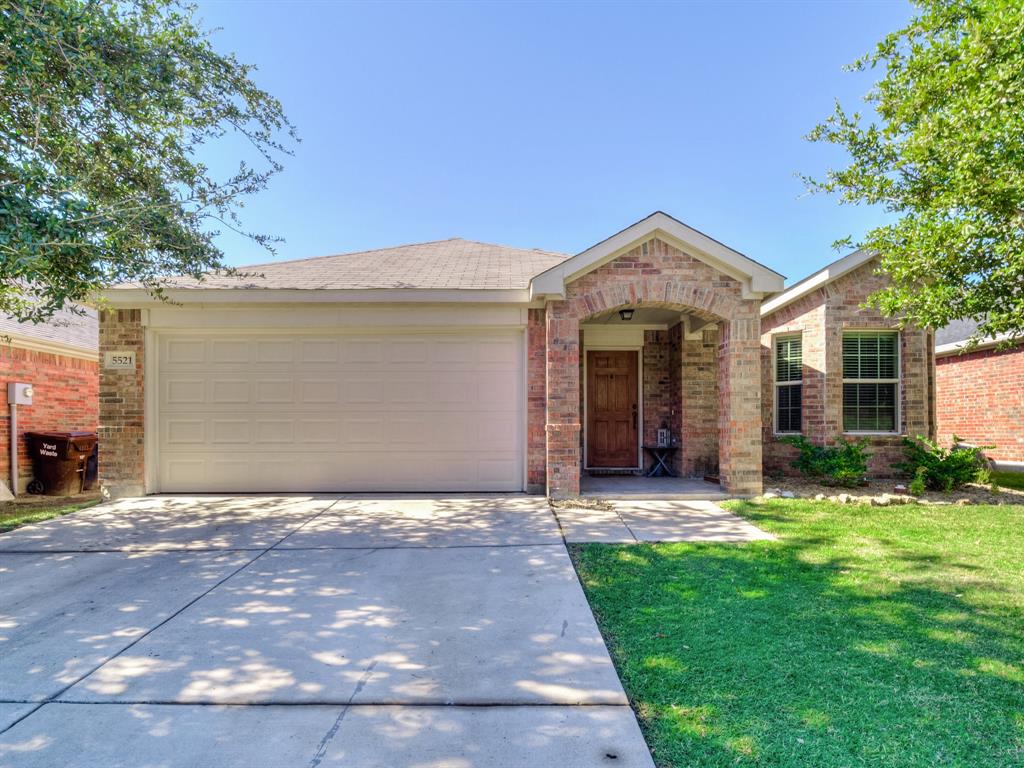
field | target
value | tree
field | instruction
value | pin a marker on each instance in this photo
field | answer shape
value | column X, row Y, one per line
column 944, row 152
column 104, row 106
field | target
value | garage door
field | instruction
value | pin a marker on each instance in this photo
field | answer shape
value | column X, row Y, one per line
column 345, row 412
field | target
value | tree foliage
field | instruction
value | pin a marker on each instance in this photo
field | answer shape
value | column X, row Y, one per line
column 103, row 108
column 944, row 152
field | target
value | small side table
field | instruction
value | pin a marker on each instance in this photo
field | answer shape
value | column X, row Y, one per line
column 662, row 455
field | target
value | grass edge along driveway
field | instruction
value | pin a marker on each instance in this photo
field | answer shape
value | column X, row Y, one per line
column 885, row 636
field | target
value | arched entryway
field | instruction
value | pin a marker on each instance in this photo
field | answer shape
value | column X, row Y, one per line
column 658, row 276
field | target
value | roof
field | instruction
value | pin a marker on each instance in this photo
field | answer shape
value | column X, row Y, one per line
column 954, row 338
column 958, row 330
column 813, row 282
column 440, row 265
column 756, row 277
column 65, row 329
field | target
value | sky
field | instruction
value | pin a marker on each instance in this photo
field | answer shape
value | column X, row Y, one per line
column 552, row 125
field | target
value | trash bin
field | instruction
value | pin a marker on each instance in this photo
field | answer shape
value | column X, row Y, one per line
column 59, row 459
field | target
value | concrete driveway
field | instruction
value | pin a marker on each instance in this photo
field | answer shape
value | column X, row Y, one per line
column 304, row 631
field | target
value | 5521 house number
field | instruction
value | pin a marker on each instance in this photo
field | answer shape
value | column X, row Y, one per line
column 119, row 360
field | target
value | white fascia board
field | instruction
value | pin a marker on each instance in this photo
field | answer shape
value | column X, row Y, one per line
column 957, row 347
column 832, row 272
column 137, row 297
column 756, row 278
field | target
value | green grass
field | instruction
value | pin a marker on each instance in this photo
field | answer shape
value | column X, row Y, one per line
column 1013, row 480
column 889, row 636
column 27, row 514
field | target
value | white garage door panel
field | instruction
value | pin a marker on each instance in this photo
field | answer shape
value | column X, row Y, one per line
column 355, row 412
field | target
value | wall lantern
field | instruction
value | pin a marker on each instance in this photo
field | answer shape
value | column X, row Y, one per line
column 626, row 314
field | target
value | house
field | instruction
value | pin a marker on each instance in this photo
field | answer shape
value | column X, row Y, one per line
column 979, row 392
column 60, row 360
column 462, row 366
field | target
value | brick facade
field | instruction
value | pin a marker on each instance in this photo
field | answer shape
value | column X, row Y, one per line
column 65, row 399
column 820, row 318
column 656, row 274
column 699, row 418
column 536, row 402
column 121, row 405
column 980, row 399
column 659, row 396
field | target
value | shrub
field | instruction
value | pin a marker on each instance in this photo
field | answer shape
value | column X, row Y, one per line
column 845, row 463
column 944, row 469
column 917, row 485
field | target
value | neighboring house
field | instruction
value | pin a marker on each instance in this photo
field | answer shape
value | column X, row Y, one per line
column 461, row 366
column 979, row 392
column 60, row 360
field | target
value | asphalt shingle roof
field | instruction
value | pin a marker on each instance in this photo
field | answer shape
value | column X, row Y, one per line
column 443, row 264
column 73, row 329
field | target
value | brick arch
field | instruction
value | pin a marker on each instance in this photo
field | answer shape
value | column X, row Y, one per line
column 707, row 304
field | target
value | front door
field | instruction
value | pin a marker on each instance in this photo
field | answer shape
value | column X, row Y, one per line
column 612, row 409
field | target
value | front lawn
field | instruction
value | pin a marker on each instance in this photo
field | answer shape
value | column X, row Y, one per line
column 16, row 515
column 888, row 636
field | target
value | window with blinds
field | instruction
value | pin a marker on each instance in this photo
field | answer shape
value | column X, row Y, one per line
column 871, row 379
column 789, row 374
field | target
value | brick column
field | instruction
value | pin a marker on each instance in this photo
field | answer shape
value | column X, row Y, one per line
column 122, row 406
column 563, row 403
column 739, row 389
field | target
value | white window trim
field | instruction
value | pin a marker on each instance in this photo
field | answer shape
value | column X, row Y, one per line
column 898, row 381
column 776, row 384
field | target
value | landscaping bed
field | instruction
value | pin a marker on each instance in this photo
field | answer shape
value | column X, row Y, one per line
column 875, row 490
column 864, row 636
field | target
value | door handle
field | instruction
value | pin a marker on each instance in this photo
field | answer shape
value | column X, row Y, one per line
column 634, row 416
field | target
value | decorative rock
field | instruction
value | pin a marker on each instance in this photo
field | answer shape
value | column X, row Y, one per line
column 962, row 502
column 776, row 491
column 770, row 495
column 900, row 487
column 788, row 495
column 820, row 497
column 881, row 501
column 843, row 498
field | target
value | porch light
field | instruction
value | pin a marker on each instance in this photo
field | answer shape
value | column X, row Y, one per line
column 626, row 314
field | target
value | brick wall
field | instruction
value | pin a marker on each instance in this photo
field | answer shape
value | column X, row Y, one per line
column 699, row 422
column 980, row 399
column 65, row 399
column 122, row 409
column 820, row 318
column 536, row 402
column 657, row 388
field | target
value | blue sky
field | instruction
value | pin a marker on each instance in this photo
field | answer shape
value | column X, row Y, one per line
column 552, row 125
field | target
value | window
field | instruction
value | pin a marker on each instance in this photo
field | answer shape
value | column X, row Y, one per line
column 871, row 378
column 789, row 373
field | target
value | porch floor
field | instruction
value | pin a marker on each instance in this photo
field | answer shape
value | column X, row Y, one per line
column 638, row 487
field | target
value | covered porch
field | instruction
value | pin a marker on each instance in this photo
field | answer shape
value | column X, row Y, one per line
column 649, row 404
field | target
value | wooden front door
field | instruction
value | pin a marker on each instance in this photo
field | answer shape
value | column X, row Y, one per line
column 612, row 409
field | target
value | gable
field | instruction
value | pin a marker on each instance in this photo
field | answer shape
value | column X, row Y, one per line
column 755, row 279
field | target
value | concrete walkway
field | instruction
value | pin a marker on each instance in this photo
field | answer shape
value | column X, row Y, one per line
column 304, row 631
column 629, row 521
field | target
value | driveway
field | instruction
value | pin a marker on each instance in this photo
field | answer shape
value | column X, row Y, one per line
column 304, row 631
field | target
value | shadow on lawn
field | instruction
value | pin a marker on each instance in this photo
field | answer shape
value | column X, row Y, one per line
column 813, row 651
